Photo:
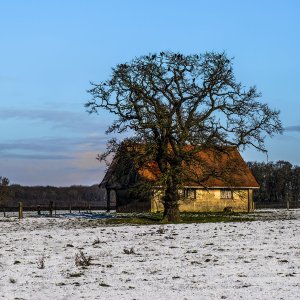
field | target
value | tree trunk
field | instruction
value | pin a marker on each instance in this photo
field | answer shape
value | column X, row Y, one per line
column 171, row 208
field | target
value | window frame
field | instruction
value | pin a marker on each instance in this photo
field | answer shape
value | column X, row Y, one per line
column 189, row 193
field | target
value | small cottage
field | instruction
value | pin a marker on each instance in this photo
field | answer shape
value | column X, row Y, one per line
column 223, row 182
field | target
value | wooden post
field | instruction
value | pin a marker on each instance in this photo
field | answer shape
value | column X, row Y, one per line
column 50, row 208
column 55, row 209
column 20, row 210
column 4, row 212
column 70, row 208
column 38, row 210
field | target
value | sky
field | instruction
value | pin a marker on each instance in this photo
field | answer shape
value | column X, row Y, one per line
column 51, row 51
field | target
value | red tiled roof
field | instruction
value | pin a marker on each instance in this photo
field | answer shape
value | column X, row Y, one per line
column 210, row 169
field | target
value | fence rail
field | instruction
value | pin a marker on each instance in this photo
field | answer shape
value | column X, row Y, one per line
column 50, row 209
column 277, row 205
column 46, row 208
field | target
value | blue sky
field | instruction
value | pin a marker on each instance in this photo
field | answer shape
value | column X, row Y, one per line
column 51, row 50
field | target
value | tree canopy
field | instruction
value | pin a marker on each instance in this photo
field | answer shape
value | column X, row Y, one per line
column 279, row 182
column 4, row 182
column 170, row 100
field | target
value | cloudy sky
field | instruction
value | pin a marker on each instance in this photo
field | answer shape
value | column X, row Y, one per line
column 51, row 50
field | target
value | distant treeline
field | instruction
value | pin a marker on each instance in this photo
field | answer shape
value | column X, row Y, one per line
column 62, row 197
column 279, row 182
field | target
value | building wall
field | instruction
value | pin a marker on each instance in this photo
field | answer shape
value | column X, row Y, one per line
column 209, row 201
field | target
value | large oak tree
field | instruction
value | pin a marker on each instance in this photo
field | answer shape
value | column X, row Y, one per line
column 168, row 101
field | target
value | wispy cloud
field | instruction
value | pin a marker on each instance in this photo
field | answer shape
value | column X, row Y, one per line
column 53, row 144
column 52, row 161
column 51, row 148
column 37, row 156
column 292, row 128
column 49, row 172
column 79, row 121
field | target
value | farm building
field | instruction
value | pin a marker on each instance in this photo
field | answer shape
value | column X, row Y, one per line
column 221, row 182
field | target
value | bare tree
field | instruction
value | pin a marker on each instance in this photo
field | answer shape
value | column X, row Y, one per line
column 177, row 105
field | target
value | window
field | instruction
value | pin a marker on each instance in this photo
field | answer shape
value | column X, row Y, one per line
column 226, row 194
column 190, row 193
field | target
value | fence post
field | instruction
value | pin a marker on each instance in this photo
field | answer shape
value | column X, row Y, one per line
column 38, row 210
column 50, row 207
column 20, row 210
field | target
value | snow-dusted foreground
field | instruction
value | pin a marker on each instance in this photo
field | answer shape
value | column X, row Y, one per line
column 250, row 260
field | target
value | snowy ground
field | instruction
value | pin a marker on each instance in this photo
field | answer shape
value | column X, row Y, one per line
column 249, row 260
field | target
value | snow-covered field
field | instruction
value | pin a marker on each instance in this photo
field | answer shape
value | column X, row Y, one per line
column 249, row 260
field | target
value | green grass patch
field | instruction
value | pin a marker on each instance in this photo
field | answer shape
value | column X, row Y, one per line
column 156, row 218
column 207, row 217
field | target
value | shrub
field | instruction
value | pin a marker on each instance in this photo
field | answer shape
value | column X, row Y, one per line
column 41, row 262
column 96, row 241
column 82, row 260
column 161, row 229
column 129, row 251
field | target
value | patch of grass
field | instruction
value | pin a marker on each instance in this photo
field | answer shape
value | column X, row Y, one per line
column 191, row 251
column 192, row 217
column 132, row 221
column 75, row 275
column 104, row 284
column 81, row 260
column 215, row 217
